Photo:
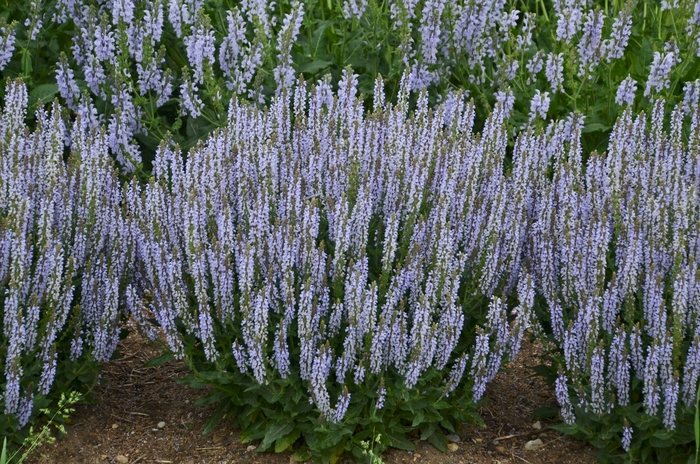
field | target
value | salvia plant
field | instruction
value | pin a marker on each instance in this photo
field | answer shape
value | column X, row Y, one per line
column 64, row 259
column 617, row 265
column 335, row 274
column 156, row 67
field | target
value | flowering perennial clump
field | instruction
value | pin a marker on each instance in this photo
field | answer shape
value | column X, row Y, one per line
column 333, row 261
column 65, row 253
column 618, row 242
column 154, row 67
column 348, row 235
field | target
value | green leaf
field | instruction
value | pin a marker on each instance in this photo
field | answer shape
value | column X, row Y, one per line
column 400, row 441
column 160, row 360
column 545, row 371
column 275, row 432
column 45, row 92
column 314, row 66
column 302, row 455
column 418, row 418
column 594, row 127
column 287, row 441
column 220, row 411
column 438, row 440
column 215, row 377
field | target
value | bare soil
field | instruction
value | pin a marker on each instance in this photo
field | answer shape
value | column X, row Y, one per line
column 141, row 415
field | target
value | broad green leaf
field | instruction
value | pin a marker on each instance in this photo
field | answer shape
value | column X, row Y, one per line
column 160, row 360
column 286, row 442
column 275, row 432
column 220, row 411
column 302, row 455
column 314, row 67
column 399, row 441
column 45, row 92
column 438, row 440
column 418, row 418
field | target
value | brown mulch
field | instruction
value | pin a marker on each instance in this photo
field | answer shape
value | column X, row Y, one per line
column 141, row 415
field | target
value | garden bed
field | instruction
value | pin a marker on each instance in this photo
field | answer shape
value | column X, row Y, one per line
column 122, row 425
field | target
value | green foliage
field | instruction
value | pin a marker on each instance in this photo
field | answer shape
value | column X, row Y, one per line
column 55, row 419
column 651, row 441
column 280, row 415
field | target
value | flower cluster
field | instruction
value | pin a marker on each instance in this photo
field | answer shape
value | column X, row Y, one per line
column 157, row 66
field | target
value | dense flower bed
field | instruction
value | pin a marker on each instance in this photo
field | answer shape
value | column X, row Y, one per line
column 356, row 257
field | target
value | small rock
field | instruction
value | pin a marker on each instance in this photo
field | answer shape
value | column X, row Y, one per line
column 121, row 459
column 251, row 448
column 537, row 425
column 479, row 440
column 115, row 426
column 161, row 424
column 453, row 437
column 452, row 447
column 534, row 445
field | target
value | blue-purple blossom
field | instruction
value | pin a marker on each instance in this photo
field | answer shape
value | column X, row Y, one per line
column 284, row 73
column 554, row 70
column 7, row 43
column 354, row 8
column 660, row 72
column 625, row 92
column 569, row 15
column 614, row 47
column 590, row 45
column 627, row 437
column 200, row 49
column 539, row 105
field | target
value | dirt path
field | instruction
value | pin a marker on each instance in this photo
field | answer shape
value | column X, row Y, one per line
column 142, row 416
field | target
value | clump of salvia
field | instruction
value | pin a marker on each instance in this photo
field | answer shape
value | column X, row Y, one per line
column 65, row 252
column 618, row 242
column 342, row 249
